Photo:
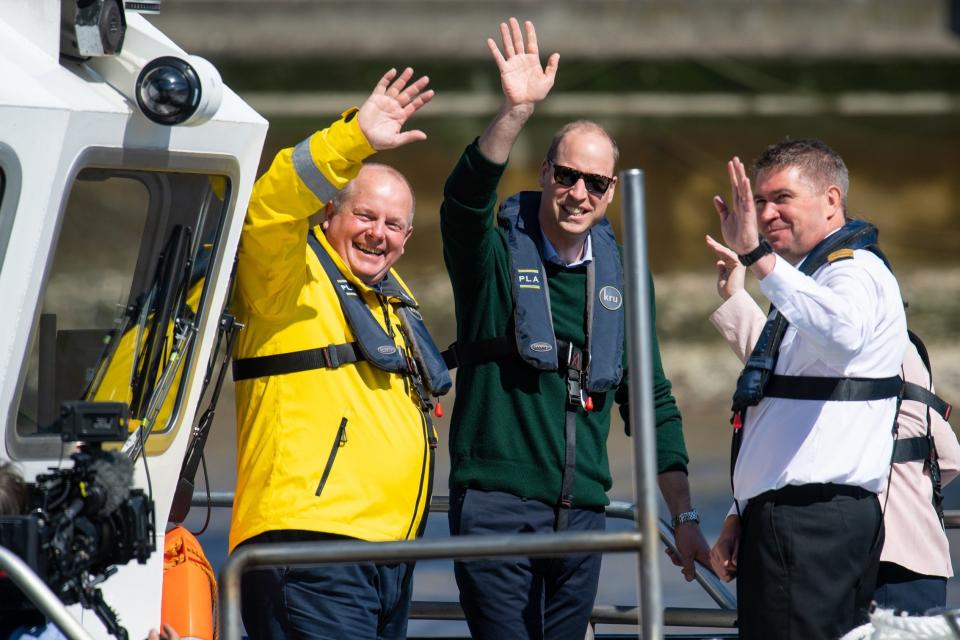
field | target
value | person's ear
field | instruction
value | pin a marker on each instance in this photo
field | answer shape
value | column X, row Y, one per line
column 326, row 214
column 544, row 177
column 611, row 190
column 834, row 201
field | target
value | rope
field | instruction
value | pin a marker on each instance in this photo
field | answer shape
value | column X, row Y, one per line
column 885, row 625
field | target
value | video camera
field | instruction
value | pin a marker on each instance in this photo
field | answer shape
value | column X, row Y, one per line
column 86, row 520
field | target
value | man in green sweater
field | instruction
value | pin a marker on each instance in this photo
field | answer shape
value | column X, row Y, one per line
column 540, row 332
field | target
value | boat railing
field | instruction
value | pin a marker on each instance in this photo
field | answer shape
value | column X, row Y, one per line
column 36, row 590
column 473, row 546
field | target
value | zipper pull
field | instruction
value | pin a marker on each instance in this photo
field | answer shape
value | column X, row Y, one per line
column 736, row 421
column 438, row 409
column 588, row 403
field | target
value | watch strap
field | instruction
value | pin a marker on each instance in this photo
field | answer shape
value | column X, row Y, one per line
column 687, row 516
column 762, row 249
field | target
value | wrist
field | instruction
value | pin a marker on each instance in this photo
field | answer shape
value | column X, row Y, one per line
column 749, row 257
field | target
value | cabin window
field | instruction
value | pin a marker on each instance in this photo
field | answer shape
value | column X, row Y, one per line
column 125, row 280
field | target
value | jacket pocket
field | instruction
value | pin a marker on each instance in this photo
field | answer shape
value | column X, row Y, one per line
column 339, row 441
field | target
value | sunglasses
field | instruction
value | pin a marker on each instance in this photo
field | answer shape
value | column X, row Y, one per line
column 567, row 177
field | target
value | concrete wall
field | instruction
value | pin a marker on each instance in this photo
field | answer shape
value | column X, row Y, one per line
column 358, row 29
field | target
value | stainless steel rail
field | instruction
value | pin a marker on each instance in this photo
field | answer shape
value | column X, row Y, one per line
column 640, row 362
column 306, row 553
column 617, row 509
column 40, row 595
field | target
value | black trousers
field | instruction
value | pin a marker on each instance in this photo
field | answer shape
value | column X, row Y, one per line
column 807, row 562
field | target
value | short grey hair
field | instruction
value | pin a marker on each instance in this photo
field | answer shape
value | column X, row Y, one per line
column 343, row 195
column 818, row 163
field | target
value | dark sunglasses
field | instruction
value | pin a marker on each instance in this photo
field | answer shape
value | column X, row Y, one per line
column 567, row 177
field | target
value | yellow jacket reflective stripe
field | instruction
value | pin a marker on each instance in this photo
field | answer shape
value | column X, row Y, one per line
column 343, row 451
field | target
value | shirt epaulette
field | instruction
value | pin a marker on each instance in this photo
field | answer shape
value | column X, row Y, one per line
column 840, row 254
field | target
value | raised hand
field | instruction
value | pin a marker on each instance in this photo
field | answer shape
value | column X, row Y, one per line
column 523, row 79
column 730, row 273
column 738, row 221
column 389, row 107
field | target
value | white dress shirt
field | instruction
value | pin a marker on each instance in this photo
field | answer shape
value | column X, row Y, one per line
column 846, row 320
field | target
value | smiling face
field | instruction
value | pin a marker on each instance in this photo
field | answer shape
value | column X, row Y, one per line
column 794, row 213
column 371, row 225
column 567, row 213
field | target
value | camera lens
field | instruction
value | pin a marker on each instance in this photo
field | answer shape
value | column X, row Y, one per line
column 168, row 90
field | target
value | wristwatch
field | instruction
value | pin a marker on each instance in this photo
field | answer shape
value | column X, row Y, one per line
column 762, row 249
column 687, row 516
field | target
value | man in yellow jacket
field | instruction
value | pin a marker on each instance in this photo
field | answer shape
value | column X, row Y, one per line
column 334, row 374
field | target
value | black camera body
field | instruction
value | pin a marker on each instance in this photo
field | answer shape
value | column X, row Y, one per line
column 85, row 520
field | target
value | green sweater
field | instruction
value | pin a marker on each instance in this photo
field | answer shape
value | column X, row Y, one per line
column 508, row 420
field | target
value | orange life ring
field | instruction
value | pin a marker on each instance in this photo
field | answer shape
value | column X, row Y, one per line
column 189, row 602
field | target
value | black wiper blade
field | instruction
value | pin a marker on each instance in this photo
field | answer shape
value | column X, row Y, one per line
column 170, row 289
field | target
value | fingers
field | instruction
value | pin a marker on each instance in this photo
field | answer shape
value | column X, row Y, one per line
column 689, row 571
column 531, row 37
column 723, row 252
column 722, row 210
column 409, row 94
column 384, row 82
column 407, row 137
column 517, row 36
column 553, row 63
column 507, row 39
column 495, row 53
column 674, row 556
column 418, row 102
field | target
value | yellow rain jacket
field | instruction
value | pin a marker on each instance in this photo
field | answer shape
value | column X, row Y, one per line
column 345, row 451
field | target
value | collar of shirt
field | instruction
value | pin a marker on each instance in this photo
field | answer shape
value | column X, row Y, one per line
column 550, row 253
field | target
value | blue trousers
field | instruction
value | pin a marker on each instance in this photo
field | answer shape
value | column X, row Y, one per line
column 904, row 590
column 521, row 597
column 327, row 602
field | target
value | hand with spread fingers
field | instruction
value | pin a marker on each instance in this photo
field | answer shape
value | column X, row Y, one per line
column 731, row 274
column 738, row 220
column 388, row 108
column 523, row 79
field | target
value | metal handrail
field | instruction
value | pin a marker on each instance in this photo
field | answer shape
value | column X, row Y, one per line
column 619, row 509
column 724, row 617
column 337, row 552
column 40, row 595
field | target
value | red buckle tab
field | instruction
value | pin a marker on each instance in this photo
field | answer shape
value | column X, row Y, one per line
column 736, row 421
column 438, row 409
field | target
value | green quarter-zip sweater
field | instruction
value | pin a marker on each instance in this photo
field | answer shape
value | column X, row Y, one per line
column 507, row 425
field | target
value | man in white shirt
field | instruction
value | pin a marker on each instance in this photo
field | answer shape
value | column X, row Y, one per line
column 814, row 428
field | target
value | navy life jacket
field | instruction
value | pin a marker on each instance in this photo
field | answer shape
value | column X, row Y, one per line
column 534, row 340
column 372, row 345
column 596, row 369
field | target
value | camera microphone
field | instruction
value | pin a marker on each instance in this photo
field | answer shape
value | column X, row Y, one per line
column 114, row 477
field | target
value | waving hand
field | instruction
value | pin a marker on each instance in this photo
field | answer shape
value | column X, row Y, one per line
column 523, row 80
column 389, row 107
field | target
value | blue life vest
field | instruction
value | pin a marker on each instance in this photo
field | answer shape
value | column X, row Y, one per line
column 534, row 334
column 427, row 369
